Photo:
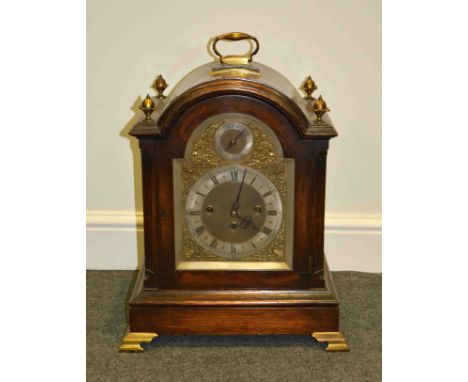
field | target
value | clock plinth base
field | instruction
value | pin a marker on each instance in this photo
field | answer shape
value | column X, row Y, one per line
column 238, row 312
column 133, row 340
column 335, row 340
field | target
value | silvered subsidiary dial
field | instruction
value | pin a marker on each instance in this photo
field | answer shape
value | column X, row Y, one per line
column 234, row 211
column 233, row 141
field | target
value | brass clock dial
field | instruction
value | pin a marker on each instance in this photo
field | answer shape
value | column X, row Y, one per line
column 233, row 141
column 233, row 211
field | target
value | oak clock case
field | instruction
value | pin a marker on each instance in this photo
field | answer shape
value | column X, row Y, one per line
column 233, row 168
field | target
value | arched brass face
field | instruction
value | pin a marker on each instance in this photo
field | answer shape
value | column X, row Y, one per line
column 223, row 220
column 233, row 141
column 234, row 211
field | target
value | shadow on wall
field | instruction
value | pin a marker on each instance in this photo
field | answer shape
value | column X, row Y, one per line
column 137, row 171
column 137, row 179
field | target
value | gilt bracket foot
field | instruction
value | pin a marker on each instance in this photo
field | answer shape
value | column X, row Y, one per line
column 133, row 340
column 335, row 340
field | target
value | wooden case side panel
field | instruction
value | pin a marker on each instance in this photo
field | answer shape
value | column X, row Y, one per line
column 317, row 213
column 233, row 320
column 150, row 212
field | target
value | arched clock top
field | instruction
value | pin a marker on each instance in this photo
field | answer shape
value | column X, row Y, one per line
column 270, row 87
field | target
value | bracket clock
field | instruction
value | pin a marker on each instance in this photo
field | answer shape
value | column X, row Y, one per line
column 233, row 164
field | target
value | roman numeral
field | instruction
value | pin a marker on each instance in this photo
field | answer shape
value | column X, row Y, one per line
column 233, row 248
column 213, row 178
column 234, row 175
column 199, row 193
column 214, row 243
column 253, row 245
column 272, row 213
column 200, row 230
column 194, row 213
column 253, row 180
column 266, row 230
column 267, row 194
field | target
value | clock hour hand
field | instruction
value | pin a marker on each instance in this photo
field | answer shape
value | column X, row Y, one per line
column 234, row 141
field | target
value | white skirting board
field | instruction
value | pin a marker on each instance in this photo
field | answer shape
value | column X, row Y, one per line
column 115, row 241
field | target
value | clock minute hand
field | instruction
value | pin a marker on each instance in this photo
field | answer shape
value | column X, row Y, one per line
column 235, row 205
column 234, row 141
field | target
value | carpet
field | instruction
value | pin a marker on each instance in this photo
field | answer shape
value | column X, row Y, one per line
column 233, row 358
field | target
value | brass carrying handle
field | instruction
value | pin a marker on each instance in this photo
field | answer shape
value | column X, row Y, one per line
column 235, row 59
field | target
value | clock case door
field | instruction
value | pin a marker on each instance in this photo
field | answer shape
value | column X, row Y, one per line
column 159, row 283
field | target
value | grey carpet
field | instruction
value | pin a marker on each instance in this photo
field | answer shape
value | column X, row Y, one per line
column 233, row 358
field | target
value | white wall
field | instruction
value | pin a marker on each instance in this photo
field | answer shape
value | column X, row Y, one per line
column 337, row 42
